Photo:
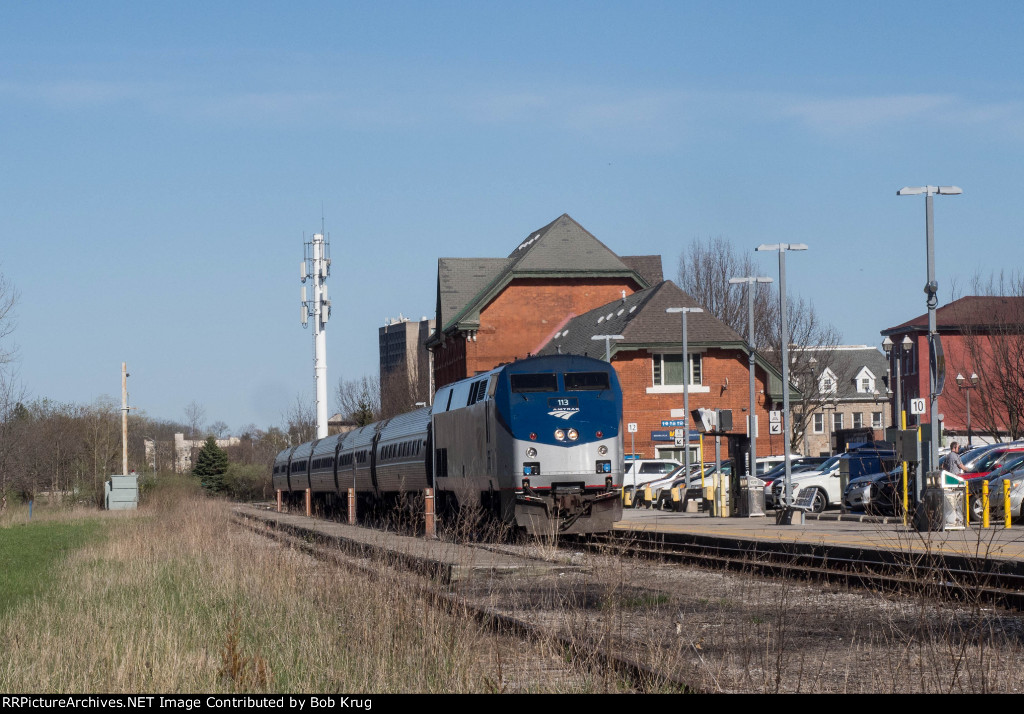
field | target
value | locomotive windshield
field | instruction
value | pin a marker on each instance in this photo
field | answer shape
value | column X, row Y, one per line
column 534, row 383
column 580, row 381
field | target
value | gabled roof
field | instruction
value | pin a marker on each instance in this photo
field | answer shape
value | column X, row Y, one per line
column 975, row 311
column 846, row 362
column 563, row 248
column 641, row 319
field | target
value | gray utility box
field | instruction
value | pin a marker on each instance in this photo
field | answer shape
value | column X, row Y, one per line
column 121, row 493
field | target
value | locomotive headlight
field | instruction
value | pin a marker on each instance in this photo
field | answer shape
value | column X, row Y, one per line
column 531, row 452
column 602, row 449
column 559, row 435
column 573, row 435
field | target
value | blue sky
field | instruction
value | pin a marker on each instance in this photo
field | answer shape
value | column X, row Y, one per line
column 161, row 163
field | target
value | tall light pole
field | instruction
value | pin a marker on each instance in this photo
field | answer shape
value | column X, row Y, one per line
column 686, row 387
column 967, row 385
column 901, row 415
column 751, row 283
column 608, row 344
column 782, row 248
column 931, row 289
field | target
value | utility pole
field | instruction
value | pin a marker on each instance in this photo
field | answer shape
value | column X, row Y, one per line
column 124, row 418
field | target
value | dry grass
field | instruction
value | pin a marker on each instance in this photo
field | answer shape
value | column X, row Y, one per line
column 176, row 599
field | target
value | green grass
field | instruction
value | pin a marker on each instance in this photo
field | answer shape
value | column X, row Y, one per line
column 31, row 553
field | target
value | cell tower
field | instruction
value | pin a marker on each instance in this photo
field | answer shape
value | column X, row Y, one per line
column 316, row 266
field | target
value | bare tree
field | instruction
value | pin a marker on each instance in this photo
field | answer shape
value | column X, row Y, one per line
column 704, row 272
column 218, row 429
column 8, row 300
column 195, row 416
column 359, row 400
column 301, row 419
column 991, row 326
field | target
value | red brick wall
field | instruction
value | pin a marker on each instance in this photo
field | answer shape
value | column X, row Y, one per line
column 520, row 320
column 450, row 361
column 635, row 373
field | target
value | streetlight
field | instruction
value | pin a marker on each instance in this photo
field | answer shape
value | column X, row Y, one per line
column 896, row 358
column 751, row 283
column 967, row 385
column 782, row 248
column 686, row 388
column 607, row 344
column 931, row 289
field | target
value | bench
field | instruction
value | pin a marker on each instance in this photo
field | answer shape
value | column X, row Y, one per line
column 804, row 502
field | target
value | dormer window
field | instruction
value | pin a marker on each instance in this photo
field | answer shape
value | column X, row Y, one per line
column 865, row 381
column 827, row 382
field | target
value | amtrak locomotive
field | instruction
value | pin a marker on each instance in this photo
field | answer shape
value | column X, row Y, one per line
column 537, row 443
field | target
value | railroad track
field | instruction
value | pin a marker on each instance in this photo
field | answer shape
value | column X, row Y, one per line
column 432, row 586
column 945, row 577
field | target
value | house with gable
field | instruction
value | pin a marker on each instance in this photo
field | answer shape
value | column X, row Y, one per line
column 649, row 363
column 848, row 389
column 981, row 335
column 491, row 311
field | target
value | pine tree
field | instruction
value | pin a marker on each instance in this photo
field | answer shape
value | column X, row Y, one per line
column 211, row 465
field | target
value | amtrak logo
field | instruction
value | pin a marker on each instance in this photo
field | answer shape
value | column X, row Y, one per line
column 563, row 413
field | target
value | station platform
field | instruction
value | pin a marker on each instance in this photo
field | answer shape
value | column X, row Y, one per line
column 833, row 529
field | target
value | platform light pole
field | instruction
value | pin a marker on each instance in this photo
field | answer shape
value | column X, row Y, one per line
column 751, row 283
column 608, row 344
column 686, row 388
column 782, row 248
column 931, row 289
column 901, row 415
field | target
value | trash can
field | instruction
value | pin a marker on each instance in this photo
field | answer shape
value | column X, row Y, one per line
column 751, row 501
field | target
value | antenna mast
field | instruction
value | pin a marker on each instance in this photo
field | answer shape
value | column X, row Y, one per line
column 316, row 266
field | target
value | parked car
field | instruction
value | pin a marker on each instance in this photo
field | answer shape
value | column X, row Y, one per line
column 641, row 472
column 863, row 458
column 991, row 460
column 663, row 498
column 797, row 464
column 995, row 498
column 880, row 492
column 995, row 487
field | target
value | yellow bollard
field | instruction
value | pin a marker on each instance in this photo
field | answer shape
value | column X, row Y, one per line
column 627, row 498
column 648, row 496
column 677, row 500
column 1006, row 500
column 984, row 504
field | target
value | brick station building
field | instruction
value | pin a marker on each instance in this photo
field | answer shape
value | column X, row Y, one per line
column 558, row 288
column 491, row 311
column 649, row 364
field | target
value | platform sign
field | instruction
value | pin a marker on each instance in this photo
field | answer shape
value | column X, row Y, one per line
column 774, row 428
column 774, row 417
column 917, row 406
column 631, row 427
